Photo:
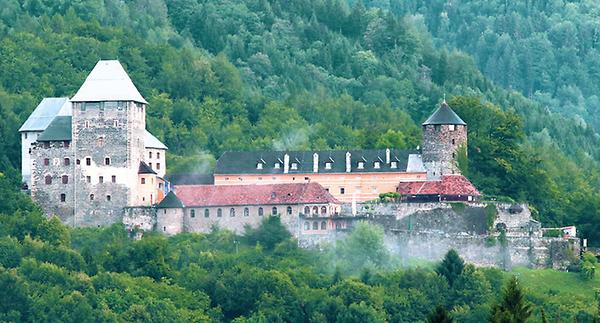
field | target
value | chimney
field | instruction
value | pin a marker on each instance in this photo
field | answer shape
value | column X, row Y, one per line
column 286, row 163
column 348, row 162
column 387, row 156
column 315, row 163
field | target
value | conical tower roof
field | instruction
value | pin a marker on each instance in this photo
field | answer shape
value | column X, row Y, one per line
column 444, row 115
column 171, row 201
column 108, row 81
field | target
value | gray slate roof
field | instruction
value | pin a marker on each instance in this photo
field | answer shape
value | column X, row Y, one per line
column 190, row 179
column 444, row 115
column 244, row 162
column 58, row 130
column 145, row 169
column 108, row 81
column 45, row 112
column 170, row 201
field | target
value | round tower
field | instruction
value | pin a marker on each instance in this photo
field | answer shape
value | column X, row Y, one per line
column 444, row 132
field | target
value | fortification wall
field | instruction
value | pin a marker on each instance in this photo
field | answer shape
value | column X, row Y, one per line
column 139, row 218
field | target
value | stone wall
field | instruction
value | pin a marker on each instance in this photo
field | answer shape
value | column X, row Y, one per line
column 440, row 145
column 169, row 221
column 139, row 218
column 48, row 196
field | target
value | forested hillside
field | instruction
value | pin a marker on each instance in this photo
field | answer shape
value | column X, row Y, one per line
column 240, row 75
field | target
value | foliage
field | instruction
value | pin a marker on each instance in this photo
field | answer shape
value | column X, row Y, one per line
column 491, row 213
column 589, row 262
column 389, row 196
column 451, row 266
column 268, row 234
column 513, row 307
column 439, row 315
column 364, row 247
column 554, row 233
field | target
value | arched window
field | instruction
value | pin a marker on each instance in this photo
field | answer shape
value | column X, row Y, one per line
column 260, row 211
column 306, row 226
column 66, row 161
column 323, row 225
column 192, row 213
column 219, row 213
column 315, row 210
column 65, row 179
column 206, row 213
column 274, row 211
column 48, row 179
column 63, row 197
column 315, row 225
column 232, row 212
column 91, row 197
column 323, row 210
column 246, row 212
column 307, row 210
column 108, row 198
column 289, row 210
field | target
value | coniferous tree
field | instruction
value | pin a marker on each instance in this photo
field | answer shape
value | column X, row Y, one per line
column 451, row 267
column 512, row 308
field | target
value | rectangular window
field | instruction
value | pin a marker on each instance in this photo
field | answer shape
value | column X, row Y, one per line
column 157, row 155
column 65, row 179
column 101, row 179
column 46, row 161
column 157, row 165
column 77, row 162
column 106, row 161
column 88, row 161
column 150, row 164
column 114, row 179
column 116, row 123
column 63, row 197
column 143, row 180
column 88, row 179
column 342, row 190
column 149, row 154
column 67, row 161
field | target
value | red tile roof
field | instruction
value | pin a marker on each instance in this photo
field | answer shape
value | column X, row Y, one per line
column 272, row 194
column 448, row 185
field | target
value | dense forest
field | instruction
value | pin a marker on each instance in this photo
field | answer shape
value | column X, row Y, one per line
column 52, row 273
column 249, row 75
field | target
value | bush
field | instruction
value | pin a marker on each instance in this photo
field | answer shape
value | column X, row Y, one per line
column 553, row 233
column 588, row 265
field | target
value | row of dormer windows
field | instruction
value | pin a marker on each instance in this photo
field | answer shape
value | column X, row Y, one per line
column 329, row 165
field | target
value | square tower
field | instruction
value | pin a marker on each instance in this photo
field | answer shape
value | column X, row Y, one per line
column 108, row 129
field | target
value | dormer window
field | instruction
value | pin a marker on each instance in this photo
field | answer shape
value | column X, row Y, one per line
column 277, row 166
column 259, row 165
column 377, row 165
column 294, row 166
column 328, row 165
column 394, row 164
column 361, row 165
column 451, row 127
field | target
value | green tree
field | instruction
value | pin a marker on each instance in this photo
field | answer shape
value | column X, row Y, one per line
column 268, row 234
column 451, row 266
column 512, row 308
column 439, row 315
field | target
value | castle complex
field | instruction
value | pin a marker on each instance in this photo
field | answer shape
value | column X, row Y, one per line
column 90, row 160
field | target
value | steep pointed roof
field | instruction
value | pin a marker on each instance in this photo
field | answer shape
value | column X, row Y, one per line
column 45, row 112
column 145, row 169
column 444, row 115
column 171, row 201
column 152, row 142
column 108, row 81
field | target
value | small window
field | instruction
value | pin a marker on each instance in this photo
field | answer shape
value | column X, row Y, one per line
column 88, row 179
column 150, row 154
column 246, row 212
column 157, row 155
column 108, row 198
column 377, row 165
column 25, row 135
column 328, row 165
column 315, row 210
column 48, row 179
column 219, row 213
column 164, row 228
column 88, row 161
column 206, row 213
column 115, row 123
column 361, row 165
column 306, row 225
column 342, row 190
column 46, row 161
column 65, row 179
column 289, row 210
column 323, row 225
column 274, row 211
column 30, row 151
column 306, row 210
column 192, row 213
column 451, row 127
column 259, row 166
column 323, row 210
column 63, row 197
column 91, row 197
column 150, row 164
column 143, row 180
column 260, row 211
column 277, row 165
column 436, row 127
column 157, row 165
column 394, row 164
column 294, row 166
column 66, row 161
column 106, row 161
column 315, row 225
column 232, row 212
column 113, row 179
column 453, row 142
column 66, row 144
column 100, row 179
column 78, row 162
column 453, row 155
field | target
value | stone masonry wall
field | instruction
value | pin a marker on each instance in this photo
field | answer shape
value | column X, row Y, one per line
column 440, row 146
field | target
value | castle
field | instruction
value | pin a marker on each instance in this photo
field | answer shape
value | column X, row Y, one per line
column 90, row 160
